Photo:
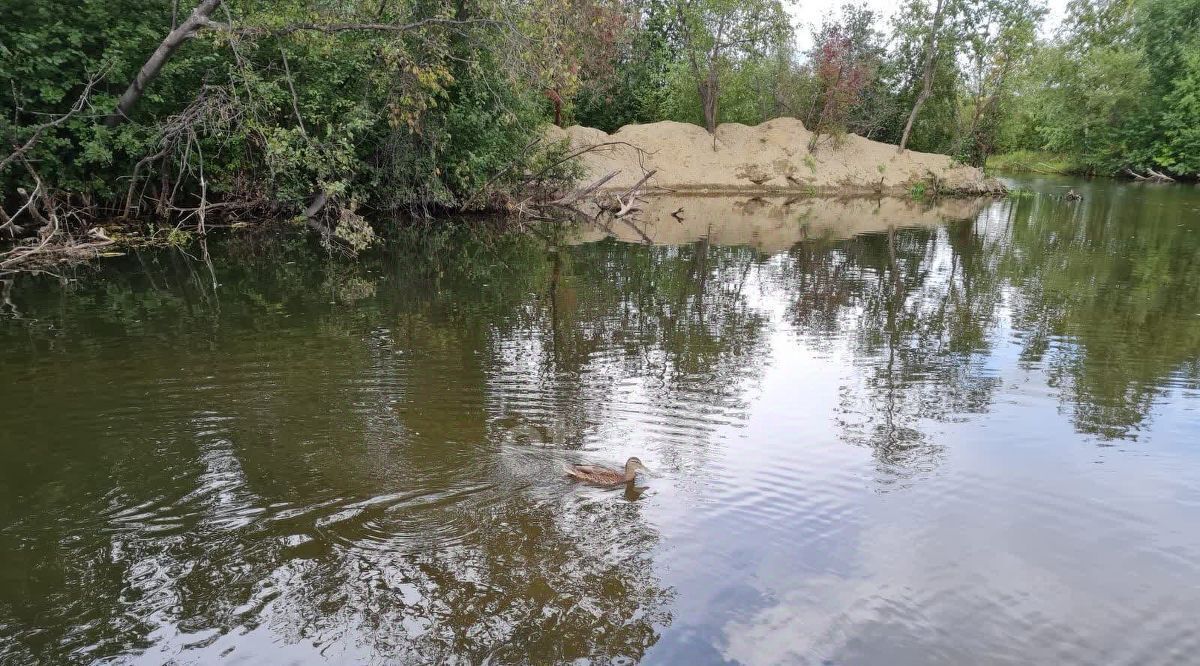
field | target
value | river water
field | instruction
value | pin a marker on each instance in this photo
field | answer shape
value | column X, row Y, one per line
column 881, row 433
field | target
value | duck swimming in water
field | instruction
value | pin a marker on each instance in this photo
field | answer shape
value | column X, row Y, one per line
column 605, row 476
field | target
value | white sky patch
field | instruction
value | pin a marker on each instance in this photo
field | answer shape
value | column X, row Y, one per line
column 808, row 14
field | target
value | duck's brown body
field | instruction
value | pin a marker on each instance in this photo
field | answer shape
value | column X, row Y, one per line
column 604, row 476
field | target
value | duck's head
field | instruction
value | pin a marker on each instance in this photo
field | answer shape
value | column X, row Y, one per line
column 633, row 465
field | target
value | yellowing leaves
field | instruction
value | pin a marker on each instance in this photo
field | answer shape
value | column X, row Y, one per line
column 419, row 88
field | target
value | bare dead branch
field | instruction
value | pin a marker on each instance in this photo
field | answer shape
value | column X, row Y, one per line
column 1160, row 176
column 583, row 151
column 80, row 103
column 291, row 87
column 580, row 194
column 626, row 208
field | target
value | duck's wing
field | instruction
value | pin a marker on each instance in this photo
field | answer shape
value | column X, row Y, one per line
column 580, row 471
column 586, row 469
column 590, row 472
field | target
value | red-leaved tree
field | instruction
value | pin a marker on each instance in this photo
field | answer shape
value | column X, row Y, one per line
column 842, row 75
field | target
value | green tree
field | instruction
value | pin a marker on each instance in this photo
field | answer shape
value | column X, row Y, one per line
column 1115, row 90
column 1179, row 149
column 844, row 65
column 1168, row 32
column 714, row 34
column 1000, row 38
column 923, row 70
column 636, row 91
column 281, row 108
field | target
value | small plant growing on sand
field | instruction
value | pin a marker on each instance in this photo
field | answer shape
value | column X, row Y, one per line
column 917, row 191
column 811, row 163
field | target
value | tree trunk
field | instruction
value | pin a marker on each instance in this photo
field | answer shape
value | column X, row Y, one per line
column 168, row 47
column 556, row 100
column 709, row 97
column 927, row 75
column 912, row 117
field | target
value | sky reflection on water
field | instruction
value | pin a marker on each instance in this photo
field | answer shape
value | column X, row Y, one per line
column 963, row 435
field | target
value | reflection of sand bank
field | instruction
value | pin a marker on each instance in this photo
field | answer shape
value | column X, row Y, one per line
column 773, row 224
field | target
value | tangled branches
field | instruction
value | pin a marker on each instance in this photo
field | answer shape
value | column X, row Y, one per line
column 180, row 157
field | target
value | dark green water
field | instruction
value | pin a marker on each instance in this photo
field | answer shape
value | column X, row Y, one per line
column 975, row 442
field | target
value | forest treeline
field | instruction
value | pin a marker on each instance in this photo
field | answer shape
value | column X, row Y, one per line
column 330, row 111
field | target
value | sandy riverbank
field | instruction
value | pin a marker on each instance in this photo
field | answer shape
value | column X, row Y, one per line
column 769, row 158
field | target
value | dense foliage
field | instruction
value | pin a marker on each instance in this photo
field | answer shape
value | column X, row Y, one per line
column 337, row 111
column 1117, row 89
column 1114, row 90
column 362, row 106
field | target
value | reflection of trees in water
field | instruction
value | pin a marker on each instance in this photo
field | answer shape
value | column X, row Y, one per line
column 323, row 471
column 529, row 584
column 1105, row 294
column 228, row 494
column 666, row 335
column 914, row 306
column 1102, row 295
column 531, row 579
column 681, row 313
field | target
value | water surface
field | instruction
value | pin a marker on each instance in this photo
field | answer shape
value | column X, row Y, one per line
column 883, row 433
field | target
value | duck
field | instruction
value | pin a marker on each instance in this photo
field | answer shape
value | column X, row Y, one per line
column 606, row 476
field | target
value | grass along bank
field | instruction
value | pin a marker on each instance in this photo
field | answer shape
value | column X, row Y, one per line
column 1033, row 161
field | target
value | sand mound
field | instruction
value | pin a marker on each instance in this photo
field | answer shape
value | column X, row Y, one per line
column 769, row 158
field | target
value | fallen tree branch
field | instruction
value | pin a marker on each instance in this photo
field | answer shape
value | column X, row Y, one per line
column 628, row 201
column 201, row 17
column 310, row 214
column 626, row 208
column 1160, row 176
column 582, row 151
column 572, row 198
column 154, row 65
column 46, row 249
column 315, row 205
column 636, row 186
column 10, row 220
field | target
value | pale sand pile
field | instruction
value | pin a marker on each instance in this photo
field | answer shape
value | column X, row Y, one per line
column 776, row 223
column 772, row 157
